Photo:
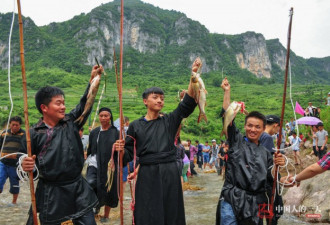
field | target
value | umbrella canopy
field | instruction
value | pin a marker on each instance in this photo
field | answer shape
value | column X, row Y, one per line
column 308, row 120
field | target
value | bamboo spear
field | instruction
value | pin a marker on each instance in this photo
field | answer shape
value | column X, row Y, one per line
column 279, row 140
column 121, row 154
column 26, row 114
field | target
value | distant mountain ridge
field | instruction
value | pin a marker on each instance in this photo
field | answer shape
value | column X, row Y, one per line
column 156, row 42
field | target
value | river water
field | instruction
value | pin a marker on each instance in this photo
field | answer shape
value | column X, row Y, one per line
column 200, row 205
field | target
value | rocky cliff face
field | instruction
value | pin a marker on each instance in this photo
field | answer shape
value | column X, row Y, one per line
column 150, row 31
column 255, row 56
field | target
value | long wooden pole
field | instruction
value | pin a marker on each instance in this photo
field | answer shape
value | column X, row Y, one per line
column 121, row 112
column 26, row 114
column 279, row 140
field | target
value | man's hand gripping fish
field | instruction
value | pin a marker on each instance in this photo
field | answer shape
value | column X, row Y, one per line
column 199, row 88
column 230, row 114
column 94, row 87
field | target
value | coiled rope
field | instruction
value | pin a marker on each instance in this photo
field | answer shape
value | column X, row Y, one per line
column 22, row 175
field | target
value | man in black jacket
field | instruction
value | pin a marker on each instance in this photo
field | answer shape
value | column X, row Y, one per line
column 62, row 193
column 248, row 170
column 158, row 193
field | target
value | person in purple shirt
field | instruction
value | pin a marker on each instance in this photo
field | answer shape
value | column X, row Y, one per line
column 186, row 163
column 193, row 151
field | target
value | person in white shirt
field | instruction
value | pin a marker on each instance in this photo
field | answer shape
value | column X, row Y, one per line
column 295, row 142
column 321, row 140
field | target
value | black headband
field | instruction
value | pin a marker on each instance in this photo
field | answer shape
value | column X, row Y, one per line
column 105, row 109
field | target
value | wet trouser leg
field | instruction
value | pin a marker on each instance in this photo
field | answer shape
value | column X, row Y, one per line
column 227, row 214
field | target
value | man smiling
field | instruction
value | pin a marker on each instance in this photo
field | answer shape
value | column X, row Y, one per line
column 248, row 170
column 62, row 193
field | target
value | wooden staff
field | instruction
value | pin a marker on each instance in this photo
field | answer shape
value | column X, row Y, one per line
column 121, row 154
column 116, row 69
column 26, row 114
column 279, row 140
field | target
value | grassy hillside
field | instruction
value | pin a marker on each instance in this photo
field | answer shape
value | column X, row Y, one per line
column 266, row 98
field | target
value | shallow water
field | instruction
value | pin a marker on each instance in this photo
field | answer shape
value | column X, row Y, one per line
column 200, row 205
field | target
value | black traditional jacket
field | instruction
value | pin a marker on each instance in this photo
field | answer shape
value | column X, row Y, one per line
column 100, row 144
column 248, row 172
column 62, row 193
column 159, row 198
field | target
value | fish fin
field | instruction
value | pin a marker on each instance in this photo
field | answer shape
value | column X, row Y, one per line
column 197, row 96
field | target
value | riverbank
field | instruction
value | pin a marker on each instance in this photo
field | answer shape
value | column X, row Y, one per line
column 200, row 205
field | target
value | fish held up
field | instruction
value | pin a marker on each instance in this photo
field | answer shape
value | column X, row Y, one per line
column 231, row 113
column 199, row 88
column 93, row 89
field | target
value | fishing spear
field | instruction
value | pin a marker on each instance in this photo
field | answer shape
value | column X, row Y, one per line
column 121, row 137
column 26, row 114
column 282, row 113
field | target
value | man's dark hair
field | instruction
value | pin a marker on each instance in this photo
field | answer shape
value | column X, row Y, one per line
column 258, row 115
column 189, row 140
column 197, row 141
column 271, row 119
column 82, row 129
column 206, row 142
column 45, row 95
column 293, row 133
column 126, row 119
column 16, row 119
column 152, row 90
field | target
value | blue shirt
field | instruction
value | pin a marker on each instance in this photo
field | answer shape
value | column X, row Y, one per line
column 206, row 147
column 267, row 141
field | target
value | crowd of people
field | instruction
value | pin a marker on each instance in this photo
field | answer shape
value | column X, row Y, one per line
column 214, row 155
column 60, row 150
column 312, row 110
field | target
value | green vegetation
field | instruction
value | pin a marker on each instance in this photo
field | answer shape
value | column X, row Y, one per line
column 60, row 54
column 264, row 98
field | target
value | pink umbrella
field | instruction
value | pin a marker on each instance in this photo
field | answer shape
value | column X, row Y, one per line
column 308, row 120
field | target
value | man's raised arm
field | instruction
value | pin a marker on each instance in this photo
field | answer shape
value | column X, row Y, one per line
column 226, row 97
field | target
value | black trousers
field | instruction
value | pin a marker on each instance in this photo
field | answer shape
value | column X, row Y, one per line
column 192, row 166
column 91, row 177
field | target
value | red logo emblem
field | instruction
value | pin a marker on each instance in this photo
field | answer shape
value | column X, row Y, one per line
column 265, row 211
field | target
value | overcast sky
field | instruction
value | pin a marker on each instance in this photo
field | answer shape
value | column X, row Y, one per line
column 310, row 30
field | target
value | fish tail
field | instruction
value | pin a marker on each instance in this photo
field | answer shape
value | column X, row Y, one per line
column 223, row 133
column 80, row 119
column 202, row 116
